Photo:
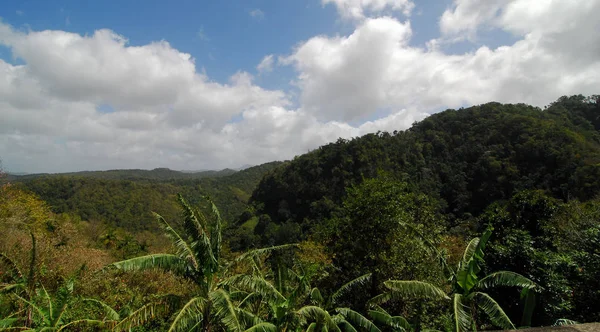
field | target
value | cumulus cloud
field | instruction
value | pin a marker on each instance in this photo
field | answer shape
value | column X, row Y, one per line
column 164, row 111
column 375, row 68
column 359, row 9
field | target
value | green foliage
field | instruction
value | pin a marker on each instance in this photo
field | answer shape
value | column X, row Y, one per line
column 467, row 159
column 466, row 289
column 125, row 198
column 366, row 210
column 377, row 230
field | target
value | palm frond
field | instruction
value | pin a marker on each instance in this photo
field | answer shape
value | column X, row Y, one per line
column 357, row 282
column 109, row 312
column 493, row 310
column 257, row 285
column 215, row 239
column 197, row 232
column 358, row 320
column 165, row 262
column 415, row 289
column 88, row 323
column 190, row 315
column 318, row 315
column 470, row 250
column 225, row 310
column 142, row 315
column 184, row 250
column 383, row 298
column 247, row 318
column 506, row 279
column 263, row 327
column 263, row 252
column 462, row 319
column 381, row 317
column 344, row 325
column 312, row 327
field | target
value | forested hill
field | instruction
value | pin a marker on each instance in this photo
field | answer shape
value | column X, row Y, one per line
column 466, row 159
column 127, row 198
column 159, row 174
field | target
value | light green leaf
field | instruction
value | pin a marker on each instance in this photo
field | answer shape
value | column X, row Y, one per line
column 225, row 310
column 493, row 310
column 190, row 315
column 263, row 327
column 462, row 319
column 358, row 320
column 142, row 315
column 165, row 262
column 360, row 281
column 506, row 279
column 414, row 289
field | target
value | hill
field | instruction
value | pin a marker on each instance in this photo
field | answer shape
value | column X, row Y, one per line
column 466, row 159
column 126, row 198
column 160, row 174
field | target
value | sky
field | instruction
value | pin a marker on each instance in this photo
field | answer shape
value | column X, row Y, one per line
column 191, row 85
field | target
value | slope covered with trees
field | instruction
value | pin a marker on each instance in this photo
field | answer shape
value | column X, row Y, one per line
column 465, row 159
column 126, row 198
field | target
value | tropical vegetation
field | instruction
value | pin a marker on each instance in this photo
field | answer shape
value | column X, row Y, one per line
column 473, row 219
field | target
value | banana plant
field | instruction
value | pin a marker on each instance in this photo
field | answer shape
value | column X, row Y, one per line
column 197, row 259
column 286, row 302
column 51, row 313
column 467, row 293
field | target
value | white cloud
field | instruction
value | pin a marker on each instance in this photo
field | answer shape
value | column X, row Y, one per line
column 359, row 9
column 257, row 14
column 375, row 68
column 266, row 64
column 168, row 112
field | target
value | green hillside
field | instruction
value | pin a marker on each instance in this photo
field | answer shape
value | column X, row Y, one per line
column 126, row 198
column 466, row 159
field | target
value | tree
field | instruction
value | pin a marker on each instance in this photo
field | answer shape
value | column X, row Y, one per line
column 375, row 232
column 467, row 289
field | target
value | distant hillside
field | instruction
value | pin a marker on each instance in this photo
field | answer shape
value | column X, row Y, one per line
column 160, row 174
column 465, row 158
column 126, row 198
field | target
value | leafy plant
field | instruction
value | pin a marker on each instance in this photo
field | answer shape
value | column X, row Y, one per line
column 467, row 289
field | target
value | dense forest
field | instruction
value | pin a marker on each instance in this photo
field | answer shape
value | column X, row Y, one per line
column 481, row 218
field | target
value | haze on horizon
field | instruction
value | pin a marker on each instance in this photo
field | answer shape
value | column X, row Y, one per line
column 221, row 84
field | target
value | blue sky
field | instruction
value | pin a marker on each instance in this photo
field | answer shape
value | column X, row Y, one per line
column 74, row 96
column 223, row 36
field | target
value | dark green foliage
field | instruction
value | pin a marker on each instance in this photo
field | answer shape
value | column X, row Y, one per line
column 378, row 230
column 466, row 158
column 553, row 243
